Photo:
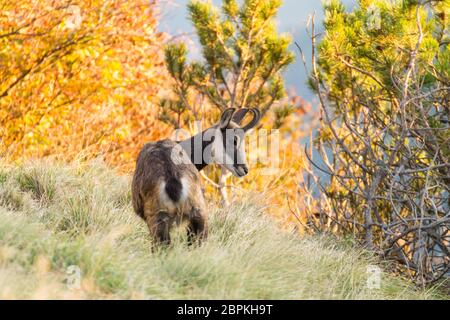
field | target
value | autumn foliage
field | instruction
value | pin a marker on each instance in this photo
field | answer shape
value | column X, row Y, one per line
column 78, row 77
column 86, row 78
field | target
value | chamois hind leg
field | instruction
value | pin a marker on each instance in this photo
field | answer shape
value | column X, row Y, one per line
column 197, row 227
column 159, row 226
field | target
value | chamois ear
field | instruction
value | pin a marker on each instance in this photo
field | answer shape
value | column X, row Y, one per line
column 256, row 117
column 226, row 117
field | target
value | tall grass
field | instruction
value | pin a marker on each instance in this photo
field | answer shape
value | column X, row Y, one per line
column 56, row 216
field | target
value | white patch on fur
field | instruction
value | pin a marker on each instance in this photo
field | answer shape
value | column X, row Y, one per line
column 185, row 189
column 169, row 203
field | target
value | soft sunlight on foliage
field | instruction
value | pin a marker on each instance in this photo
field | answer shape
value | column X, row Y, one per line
column 78, row 77
column 89, row 82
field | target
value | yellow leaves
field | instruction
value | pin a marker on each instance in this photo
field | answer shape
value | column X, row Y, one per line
column 89, row 86
column 73, row 18
column 122, row 132
column 112, row 71
column 28, row 119
column 325, row 134
column 85, row 53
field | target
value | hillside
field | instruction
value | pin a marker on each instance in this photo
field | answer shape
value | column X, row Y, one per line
column 56, row 216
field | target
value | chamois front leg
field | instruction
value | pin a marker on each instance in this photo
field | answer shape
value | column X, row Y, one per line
column 197, row 227
column 159, row 226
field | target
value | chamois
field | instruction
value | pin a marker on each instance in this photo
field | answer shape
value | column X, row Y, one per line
column 166, row 186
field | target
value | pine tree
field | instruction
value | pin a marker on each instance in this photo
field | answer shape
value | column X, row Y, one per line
column 243, row 57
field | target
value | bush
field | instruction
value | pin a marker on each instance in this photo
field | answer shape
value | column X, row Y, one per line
column 382, row 75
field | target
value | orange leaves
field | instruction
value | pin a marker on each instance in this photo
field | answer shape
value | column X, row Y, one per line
column 78, row 77
column 85, row 79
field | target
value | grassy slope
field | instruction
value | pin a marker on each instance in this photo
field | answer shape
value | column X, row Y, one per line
column 54, row 216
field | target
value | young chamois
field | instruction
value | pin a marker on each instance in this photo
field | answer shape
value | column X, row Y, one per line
column 166, row 185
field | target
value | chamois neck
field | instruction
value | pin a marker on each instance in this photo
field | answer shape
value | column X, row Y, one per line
column 195, row 147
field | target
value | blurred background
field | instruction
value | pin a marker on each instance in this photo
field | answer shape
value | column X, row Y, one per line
column 292, row 18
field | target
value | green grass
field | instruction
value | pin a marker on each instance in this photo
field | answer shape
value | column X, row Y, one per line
column 56, row 216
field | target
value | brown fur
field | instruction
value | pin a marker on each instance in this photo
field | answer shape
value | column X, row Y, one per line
column 155, row 167
column 166, row 184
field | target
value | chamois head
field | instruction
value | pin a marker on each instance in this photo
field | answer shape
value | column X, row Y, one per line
column 228, row 140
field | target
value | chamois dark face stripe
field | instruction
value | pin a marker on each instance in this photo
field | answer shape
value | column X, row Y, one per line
column 195, row 146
